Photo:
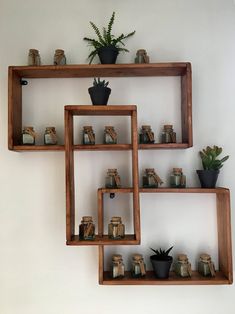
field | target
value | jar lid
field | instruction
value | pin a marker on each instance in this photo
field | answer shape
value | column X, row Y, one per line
column 168, row 126
column 33, row 50
column 28, row 127
column 146, row 127
column 109, row 127
column 112, row 170
column 59, row 51
column 149, row 170
column 205, row 257
column 49, row 128
column 177, row 169
column 87, row 127
column 117, row 257
column 137, row 257
column 116, row 219
column 87, row 218
column 141, row 51
column 182, row 257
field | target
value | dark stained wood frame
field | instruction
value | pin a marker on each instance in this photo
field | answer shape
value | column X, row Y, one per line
column 225, row 273
column 17, row 73
column 70, row 112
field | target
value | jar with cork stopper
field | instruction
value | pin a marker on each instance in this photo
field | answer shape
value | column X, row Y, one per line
column 205, row 266
column 110, row 135
column 88, row 135
column 138, row 268
column 87, row 228
column 50, row 137
column 146, row 135
column 182, row 266
column 118, row 268
column 151, row 179
column 177, row 178
column 168, row 134
column 116, row 229
column 28, row 136
column 112, row 179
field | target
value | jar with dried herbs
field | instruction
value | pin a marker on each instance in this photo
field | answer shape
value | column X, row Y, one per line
column 59, row 57
column 168, row 134
column 87, row 228
column 146, row 135
column 151, row 179
column 28, row 135
column 177, row 178
column 110, row 135
column 205, row 266
column 88, row 135
column 34, row 57
column 182, row 266
column 118, row 268
column 50, row 137
column 112, row 179
column 138, row 268
column 116, row 229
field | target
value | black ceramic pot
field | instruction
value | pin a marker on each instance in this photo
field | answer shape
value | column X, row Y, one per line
column 208, row 178
column 108, row 55
column 161, row 267
column 99, row 95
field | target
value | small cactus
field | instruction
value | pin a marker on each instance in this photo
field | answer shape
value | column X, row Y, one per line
column 162, row 254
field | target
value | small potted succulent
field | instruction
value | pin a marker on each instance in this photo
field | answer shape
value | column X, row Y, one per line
column 106, row 45
column 211, row 165
column 161, row 262
column 99, row 92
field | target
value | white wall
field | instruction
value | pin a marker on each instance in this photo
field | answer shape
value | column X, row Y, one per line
column 38, row 273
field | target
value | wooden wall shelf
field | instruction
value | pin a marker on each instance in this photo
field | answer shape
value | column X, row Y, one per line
column 225, row 273
column 70, row 112
column 17, row 73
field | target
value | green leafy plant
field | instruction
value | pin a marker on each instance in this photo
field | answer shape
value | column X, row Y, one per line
column 106, row 39
column 209, row 158
column 98, row 83
column 162, row 254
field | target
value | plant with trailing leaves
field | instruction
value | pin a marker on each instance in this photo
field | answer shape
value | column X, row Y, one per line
column 162, row 254
column 98, row 83
column 106, row 39
column 209, row 158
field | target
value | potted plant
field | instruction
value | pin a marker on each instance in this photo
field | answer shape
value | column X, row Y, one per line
column 99, row 92
column 161, row 262
column 211, row 165
column 106, row 46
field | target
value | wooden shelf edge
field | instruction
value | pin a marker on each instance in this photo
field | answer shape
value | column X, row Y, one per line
column 130, row 239
column 27, row 148
column 164, row 146
column 150, row 279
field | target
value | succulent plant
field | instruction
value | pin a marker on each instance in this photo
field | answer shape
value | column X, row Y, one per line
column 209, row 158
column 106, row 39
column 98, row 82
column 162, row 254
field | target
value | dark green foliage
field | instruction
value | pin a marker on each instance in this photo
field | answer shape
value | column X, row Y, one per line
column 162, row 254
column 106, row 39
column 98, row 82
column 209, row 158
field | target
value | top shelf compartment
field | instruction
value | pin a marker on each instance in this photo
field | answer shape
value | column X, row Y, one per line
column 17, row 73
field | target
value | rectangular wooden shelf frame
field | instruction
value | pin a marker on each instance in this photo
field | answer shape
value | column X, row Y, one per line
column 225, row 273
column 70, row 112
column 18, row 73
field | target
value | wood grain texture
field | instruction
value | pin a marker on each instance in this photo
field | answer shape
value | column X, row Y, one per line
column 102, row 70
column 69, row 176
column 129, row 239
column 110, row 110
column 150, row 279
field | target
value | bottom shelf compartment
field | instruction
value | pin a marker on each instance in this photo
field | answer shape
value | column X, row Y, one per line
column 150, row 279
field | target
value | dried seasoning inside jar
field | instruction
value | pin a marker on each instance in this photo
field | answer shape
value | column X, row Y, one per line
column 177, row 178
column 112, row 179
column 88, row 135
column 110, row 135
column 118, row 268
column 146, row 135
column 50, row 137
column 151, row 179
column 168, row 134
column 28, row 136
column 34, row 58
column 59, row 57
column 205, row 266
column 182, row 266
column 138, row 268
column 87, row 228
column 116, row 229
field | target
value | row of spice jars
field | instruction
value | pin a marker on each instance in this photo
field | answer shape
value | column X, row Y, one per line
column 29, row 136
column 34, row 58
column 146, row 135
column 88, row 136
column 182, row 266
column 116, row 229
column 150, row 179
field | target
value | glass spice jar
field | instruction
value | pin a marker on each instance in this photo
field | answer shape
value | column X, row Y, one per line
column 146, row 135
column 206, row 266
column 86, row 229
column 34, row 57
column 141, row 56
column 138, row 268
column 168, row 135
column 28, row 135
column 151, row 179
column 177, row 178
column 88, row 135
column 110, row 136
column 118, row 267
column 182, row 266
column 116, row 229
column 50, row 137
column 112, row 179
column 59, row 57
